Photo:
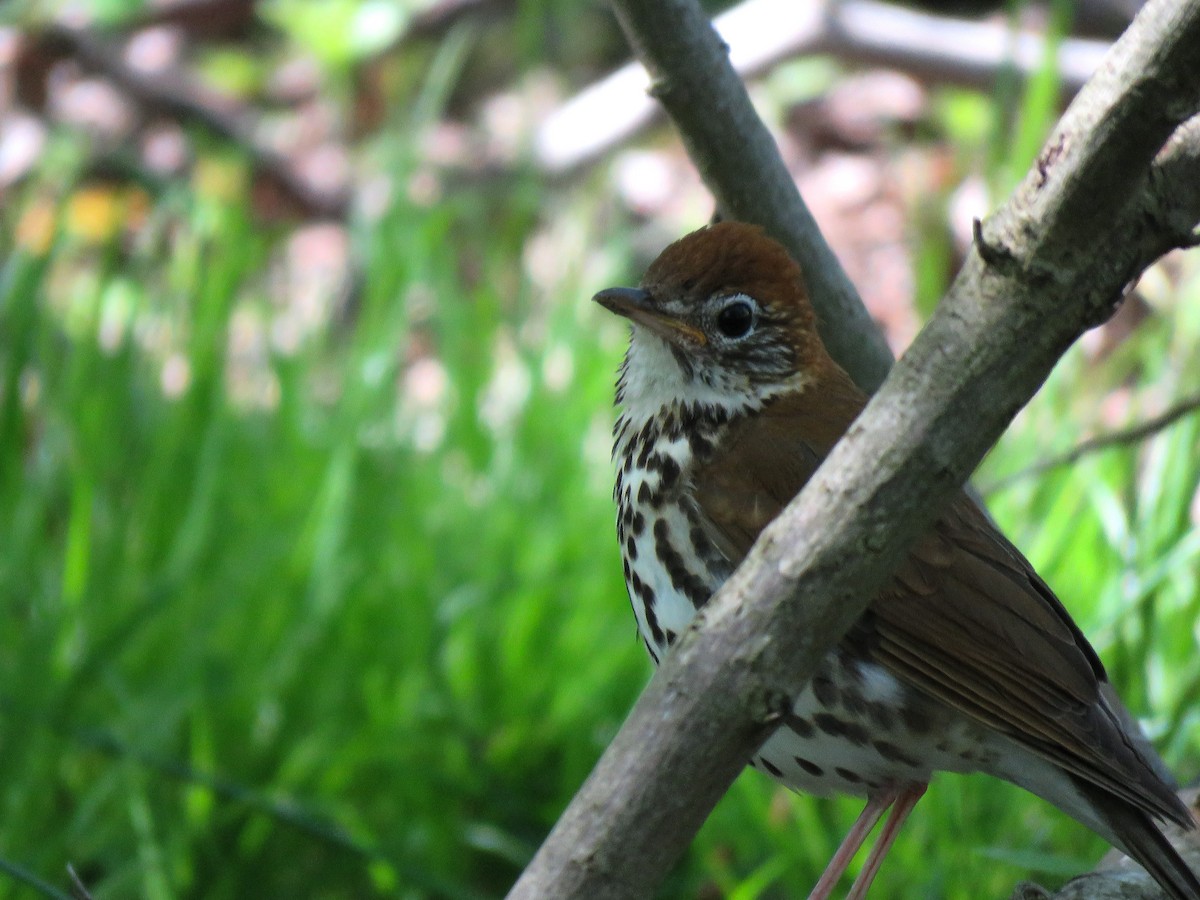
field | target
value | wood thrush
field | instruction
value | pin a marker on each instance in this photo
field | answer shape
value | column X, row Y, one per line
column 965, row 662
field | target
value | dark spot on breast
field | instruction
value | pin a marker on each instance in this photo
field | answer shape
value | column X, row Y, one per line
column 639, row 524
column 830, row 724
column 647, row 595
column 669, row 471
column 631, row 550
column 671, row 636
column 682, row 578
column 880, row 715
column 771, row 767
column 798, row 724
column 835, row 727
column 916, row 720
column 890, row 751
column 703, row 545
column 701, row 446
column 853, row 702
column 656, row 632
column 847, row 775
column 825, row 690
column 810, row 767
column 650, row 649
column 644, row 493
column 856, row 733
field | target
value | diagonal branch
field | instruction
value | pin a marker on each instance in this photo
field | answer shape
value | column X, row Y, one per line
column 1053, row 261
column 1122, row 438
column 176, row 94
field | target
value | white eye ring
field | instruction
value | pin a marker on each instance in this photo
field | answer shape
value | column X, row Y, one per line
column 737, row 317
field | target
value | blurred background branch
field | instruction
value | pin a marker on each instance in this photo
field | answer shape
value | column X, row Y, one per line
column 1121, row 438
column 166, row 89
column 762, row 33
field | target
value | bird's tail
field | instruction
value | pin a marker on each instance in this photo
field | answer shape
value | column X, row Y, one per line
column 1139, row 836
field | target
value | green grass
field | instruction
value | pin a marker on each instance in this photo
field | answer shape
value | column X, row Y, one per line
column 307, row 647
column 308, row 628
column 281, row 643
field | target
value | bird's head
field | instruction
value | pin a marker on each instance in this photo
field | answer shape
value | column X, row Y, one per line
column 721, row 317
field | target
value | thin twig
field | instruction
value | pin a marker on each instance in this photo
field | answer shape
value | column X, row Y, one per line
column 286, row 812
column 29, row 879
column 1122, row 438
column 78, row 889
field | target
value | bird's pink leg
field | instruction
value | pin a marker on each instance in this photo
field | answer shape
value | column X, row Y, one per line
column 877, row 805
column 904, row 800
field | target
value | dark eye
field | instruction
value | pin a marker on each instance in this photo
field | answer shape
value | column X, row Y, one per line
column 736, row 319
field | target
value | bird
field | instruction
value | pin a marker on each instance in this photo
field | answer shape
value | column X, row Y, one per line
column 965, row 661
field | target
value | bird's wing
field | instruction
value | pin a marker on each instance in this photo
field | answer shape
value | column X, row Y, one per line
column 966, row 619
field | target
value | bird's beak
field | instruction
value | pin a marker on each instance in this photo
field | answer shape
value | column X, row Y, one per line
column 638, row 306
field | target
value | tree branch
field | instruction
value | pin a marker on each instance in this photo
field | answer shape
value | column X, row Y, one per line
column 1122, row 438
column 176, row 94
column 79, row 890
column 762, row 33
column 1054, row 260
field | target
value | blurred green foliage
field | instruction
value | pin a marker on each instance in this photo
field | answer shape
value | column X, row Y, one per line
column 348, row 620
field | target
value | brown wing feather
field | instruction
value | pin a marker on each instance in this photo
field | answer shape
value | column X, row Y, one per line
column 966, row 619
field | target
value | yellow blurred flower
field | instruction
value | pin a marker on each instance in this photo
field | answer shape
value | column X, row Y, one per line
column 94, row 213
